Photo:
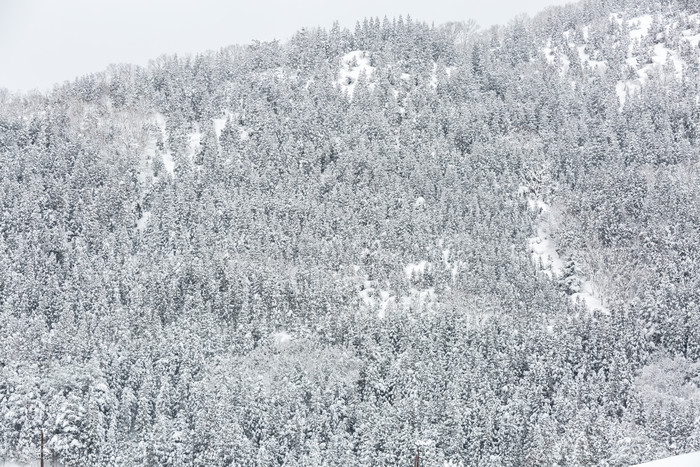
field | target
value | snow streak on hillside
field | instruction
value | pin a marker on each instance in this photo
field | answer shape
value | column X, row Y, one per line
column 684, row 460
column 654, row 43
column 545, row 254
column 168, row 160
column 352, row 66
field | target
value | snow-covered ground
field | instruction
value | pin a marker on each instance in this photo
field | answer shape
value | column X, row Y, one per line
column 384, row 298
column 168, row 161
column 545, row 254
column 684, row 460
column 219, row 124
column 194, row 143
column 433, row 76
column 142, row 222
column 351, row 66
column 639, row 26
column 416, row 269
column 35, row 463
column 586, row 59
column 665, row 47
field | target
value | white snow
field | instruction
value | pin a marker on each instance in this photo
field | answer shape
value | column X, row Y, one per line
column 385, row 299
column 243, row 133
column 616, row 17
column 220, row 123
column 548, row 54
column 34, row 463
column 416, row 270
column 661, row 55
column 421, row 300
column 565, row 64
column 194, row 143
column 455, row 270
column 143, row 221
column 586, row 59
column 639, row 26
column 693, row 40
column 281, row 338
column 446, row 257
column 351, row 66
column 589, row 298
column 584, row 31
column 168, row 161
column 367, row 294
column 150, row 149
column 433, row 77
column 543, row 249
column 544, row 252
column 684, row 460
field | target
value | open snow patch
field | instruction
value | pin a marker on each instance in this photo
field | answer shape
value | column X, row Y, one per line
column 352, row 65
column 586, row 59
column 549, row 55
column 194, row 141
column 220, row 123
column 416, row 270
column 684, row 460
column 420, row 300
column 168, row 161
column 544, row 253
column 385, row 299
column 281, row 338
column 143, row 221
column 543, row 250
column 589, row 298
column 639, row 26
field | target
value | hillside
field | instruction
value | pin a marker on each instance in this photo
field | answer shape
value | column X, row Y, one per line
column 333, row 250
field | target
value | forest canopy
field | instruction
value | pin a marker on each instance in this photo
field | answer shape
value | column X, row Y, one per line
column 329, row 251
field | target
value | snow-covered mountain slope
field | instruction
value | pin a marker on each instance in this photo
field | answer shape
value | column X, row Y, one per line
column 684, row 460
column 251, row 257
column 633, row 48
column 352, row 65
column 545, row 255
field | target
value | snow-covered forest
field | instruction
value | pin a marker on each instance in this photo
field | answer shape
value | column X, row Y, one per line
column 481, row 244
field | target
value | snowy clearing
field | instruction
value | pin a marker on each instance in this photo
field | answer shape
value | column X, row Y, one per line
column 639, row 26
column 281, row 338
column 415, row 271
column 684, row 460
column 194, row 141
column 220, row 123
column 142, row 222
column 34, row 463
column 545, row 255
column 168, row 161
column 352, row 65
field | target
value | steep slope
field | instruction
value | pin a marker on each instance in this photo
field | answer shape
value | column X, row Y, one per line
column 321, row 252
column 684, row 460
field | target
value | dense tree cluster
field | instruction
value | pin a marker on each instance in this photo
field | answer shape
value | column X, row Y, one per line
column 335, row 274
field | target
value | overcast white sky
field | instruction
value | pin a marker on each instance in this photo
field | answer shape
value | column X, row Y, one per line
column 43, row 42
